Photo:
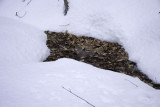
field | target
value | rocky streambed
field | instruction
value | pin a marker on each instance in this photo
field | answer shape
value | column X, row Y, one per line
column 101, row 54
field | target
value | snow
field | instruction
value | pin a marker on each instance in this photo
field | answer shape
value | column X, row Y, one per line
column 21, row 43
column 40, row 84
column 26, row 81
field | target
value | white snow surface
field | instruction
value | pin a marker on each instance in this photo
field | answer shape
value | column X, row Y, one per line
column 21, row 43
column 40, row 85
column 26, row 81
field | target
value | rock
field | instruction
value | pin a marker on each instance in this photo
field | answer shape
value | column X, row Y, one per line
column 101, row 54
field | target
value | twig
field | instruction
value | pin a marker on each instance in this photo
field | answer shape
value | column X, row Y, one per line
column 64, row 25
column 29, row 2
column 77, row 96
column 66, row 7
column 23, row 8
column 21, row 16
column 131, row 82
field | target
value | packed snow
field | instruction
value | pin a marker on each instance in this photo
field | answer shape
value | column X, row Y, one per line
column 26, row 81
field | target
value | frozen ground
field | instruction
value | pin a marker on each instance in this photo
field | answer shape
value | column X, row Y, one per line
column 25, row 81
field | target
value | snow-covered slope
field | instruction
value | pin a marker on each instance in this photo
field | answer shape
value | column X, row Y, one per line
column 21, row 43
column 40, row 85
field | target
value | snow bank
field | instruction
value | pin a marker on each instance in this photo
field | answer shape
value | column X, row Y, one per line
column 21, row 43
column 40, row 85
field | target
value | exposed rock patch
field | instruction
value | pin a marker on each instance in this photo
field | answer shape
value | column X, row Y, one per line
column 102, row 54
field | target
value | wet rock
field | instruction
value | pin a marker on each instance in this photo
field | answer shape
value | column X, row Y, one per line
column 101, row 54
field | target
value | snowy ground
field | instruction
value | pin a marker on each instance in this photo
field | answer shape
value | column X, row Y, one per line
column 40, row 85
column 26, row 81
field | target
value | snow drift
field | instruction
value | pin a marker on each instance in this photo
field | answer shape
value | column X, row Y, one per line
column 21, row 43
